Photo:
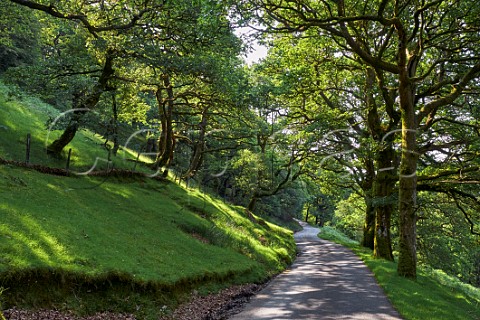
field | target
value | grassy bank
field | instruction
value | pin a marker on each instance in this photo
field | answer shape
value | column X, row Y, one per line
column 21, row 114
column 133, row 245
column 64, row 238
column 434, row 295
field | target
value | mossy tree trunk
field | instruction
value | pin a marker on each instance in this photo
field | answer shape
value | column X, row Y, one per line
column 380, row 175
column 252, row 203
column 407, row 260
column 116, row 144
column 57, row 146
column 84, row 102
column 407, row 203
column 308, row 212
column 368, row 238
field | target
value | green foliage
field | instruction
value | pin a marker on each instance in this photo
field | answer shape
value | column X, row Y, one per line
column 444, row 241
column 249, row 164
column 65, row 68
column 349, row 216
column 19, row 34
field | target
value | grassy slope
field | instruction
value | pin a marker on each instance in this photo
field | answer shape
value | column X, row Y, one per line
column 142, row 233
column 433, row 295
column 21, row 114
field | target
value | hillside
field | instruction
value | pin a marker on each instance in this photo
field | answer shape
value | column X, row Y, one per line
column 122, row 244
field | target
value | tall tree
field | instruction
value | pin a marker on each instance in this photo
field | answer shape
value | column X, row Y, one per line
column 104, row 24
column 338, row 104
column 82, row 103
column 186, row 65
column 157, row 36
column 412, row 43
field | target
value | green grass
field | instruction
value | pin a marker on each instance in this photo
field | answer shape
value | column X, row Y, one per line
column 21, row 115
column 330, row 233
column 153, row 232
column 131, row 245
column 434, row 295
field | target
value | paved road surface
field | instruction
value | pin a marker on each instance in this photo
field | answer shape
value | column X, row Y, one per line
column 326, row 281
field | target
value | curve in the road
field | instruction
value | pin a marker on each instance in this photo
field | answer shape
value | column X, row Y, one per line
column 327, row 281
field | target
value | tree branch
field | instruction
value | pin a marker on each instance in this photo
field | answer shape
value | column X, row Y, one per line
column 82, row 18
column 430, row 108
column 447, row 173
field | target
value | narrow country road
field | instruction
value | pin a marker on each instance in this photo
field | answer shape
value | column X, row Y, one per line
column 327, row 281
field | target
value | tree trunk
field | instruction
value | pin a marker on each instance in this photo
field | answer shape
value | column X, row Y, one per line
column 407, row 260
column 369, row 224
column 199, row 147
column 252, row 203
column 383, row 202
column 383, row 212
column 167, row 140
column 308, row 212
column 56, row 147
column 368, row 184
column 368, row 239
column 87, row 102
column 116, row 145
column 383, row 243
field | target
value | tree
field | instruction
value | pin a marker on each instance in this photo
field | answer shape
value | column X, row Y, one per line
column 82, row 103
column 101, row 36
column 411, row 43
column 279, row 145
column 157, row 37
column 337, row 104
column 443, row 242
column 191, row 67
column 348, row 216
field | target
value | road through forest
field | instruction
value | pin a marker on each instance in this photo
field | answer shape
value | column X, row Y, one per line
column 327, row 281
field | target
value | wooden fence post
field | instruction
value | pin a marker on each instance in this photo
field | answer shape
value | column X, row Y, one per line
column 27, row 156
column 68, row 161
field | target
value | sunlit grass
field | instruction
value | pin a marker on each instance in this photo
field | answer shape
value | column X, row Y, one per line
column 112, row 223
column 433, row 295
column 330, row 233
column 144, row 228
